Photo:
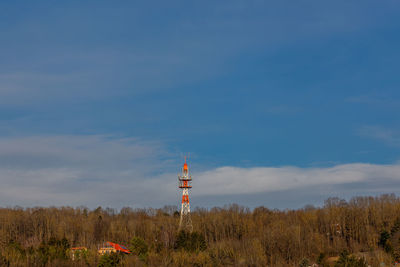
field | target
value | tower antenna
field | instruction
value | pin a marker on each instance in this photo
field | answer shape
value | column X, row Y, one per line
column 185, row 183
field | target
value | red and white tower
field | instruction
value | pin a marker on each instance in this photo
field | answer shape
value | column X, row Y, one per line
column 185, row 183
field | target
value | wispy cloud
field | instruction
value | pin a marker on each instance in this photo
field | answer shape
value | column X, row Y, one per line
column 378, row 100
column 24, row 89
column 199, row 44
column 389, row 136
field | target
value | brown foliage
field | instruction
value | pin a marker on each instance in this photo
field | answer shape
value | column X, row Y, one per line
column 234, row 235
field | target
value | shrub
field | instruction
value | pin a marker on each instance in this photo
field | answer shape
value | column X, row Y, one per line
column 345, row 260
column 190, row 241
column 139, row 247
column 109, row 260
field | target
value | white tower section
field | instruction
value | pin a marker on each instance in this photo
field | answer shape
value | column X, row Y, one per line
column 185, row 183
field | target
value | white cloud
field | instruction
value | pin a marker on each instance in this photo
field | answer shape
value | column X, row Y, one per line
column 116, row 172
column 79, row 170
column 231, row 180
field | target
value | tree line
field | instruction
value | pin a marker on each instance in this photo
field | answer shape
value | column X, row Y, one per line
column 360, row 232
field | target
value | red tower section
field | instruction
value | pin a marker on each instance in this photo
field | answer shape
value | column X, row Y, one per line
column 185, row 183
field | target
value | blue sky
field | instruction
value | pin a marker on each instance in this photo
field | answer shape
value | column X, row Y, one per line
column 99, row 94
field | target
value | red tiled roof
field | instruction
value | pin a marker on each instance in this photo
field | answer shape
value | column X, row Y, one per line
column 119, row 247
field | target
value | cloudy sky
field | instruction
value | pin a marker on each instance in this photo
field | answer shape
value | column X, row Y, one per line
column 277, row 103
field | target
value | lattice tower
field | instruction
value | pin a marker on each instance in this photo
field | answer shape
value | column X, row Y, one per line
column 185, row 183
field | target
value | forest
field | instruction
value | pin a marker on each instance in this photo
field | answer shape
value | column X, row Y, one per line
column 362, row 231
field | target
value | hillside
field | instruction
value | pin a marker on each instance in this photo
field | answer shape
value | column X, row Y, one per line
column 365, row 227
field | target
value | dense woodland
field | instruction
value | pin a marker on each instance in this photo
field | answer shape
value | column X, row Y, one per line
column 364, row 230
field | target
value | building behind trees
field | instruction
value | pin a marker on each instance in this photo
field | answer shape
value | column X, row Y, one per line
column 366, row 228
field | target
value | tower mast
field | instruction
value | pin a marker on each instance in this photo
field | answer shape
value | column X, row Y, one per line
column 185, row 183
